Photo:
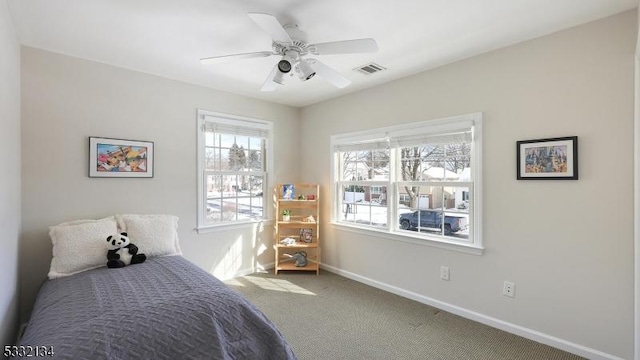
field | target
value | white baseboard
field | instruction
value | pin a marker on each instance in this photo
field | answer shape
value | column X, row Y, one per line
column 481, row 318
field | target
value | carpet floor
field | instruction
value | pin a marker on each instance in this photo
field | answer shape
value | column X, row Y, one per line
column 331, row 317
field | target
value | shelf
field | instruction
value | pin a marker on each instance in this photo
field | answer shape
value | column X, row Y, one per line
column 297, row 204
column 298, row 244
column 299, row 211
column 311, row 266
column 297, row 223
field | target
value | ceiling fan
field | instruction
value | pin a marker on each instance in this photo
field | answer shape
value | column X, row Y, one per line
column 290, row 44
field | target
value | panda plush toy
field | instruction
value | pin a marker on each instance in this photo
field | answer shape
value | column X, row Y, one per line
column 122, row 252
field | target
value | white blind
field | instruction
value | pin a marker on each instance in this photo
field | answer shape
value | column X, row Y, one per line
column 449, row 137
column 236, row 127
column 364, row 146
column 435, row 139
column 458, row 129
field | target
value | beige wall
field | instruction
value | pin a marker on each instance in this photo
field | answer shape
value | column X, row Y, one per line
column 65, row 100
column 568, row 245
column 10, row 175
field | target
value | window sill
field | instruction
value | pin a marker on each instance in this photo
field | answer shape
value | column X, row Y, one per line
column 234, row 225
column 418, row 240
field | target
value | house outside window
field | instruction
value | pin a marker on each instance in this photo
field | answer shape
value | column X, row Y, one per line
column 418, row 181
column 233, row 163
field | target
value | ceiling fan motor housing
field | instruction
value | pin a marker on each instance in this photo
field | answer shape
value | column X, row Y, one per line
column 299, row 42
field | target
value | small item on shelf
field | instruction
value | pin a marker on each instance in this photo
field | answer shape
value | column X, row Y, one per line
column 309, row 218
column 287, row 191
column 300, row 258
column 311, row 197
column 305, row 235
column 288, row 241
column 286, row 215
column 301, row 197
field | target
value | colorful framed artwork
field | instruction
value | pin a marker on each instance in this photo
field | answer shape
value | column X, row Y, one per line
column 120, row 158
column 288, row 192
column 548, row 159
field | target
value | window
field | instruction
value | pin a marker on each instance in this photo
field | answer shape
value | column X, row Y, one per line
column 232, row 169
column 417, row 181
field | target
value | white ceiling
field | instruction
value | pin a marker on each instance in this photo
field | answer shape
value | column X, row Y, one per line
column 168, row 37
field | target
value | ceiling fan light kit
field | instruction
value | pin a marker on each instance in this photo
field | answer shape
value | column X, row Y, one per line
column 305, row 72
column 290, row 44
column 284, row 66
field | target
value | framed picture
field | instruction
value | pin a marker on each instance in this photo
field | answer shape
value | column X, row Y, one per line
column 306, row 235
column 288, row 192
column 120, row 158
column 548, row 159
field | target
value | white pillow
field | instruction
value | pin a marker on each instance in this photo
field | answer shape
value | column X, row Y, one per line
column 80, row 245
column 154, row 235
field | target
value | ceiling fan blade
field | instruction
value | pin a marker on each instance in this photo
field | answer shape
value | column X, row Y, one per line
column 227, row 58
column 269, row 84
column 329, row 74
column 356, row 46
column 272, row 26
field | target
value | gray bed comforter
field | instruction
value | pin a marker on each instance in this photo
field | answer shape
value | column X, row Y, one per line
column 165, row 308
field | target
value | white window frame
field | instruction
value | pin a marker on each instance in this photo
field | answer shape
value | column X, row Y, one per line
column 205, row 116
column 392, row 231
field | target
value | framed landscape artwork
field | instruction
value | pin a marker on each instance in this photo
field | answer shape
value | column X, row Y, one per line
column 548, row 159
column 120, row 158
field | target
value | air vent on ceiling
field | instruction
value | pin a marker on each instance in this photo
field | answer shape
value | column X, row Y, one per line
column 370, row 68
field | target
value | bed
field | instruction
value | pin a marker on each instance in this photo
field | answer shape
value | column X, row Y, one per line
column 164, row 308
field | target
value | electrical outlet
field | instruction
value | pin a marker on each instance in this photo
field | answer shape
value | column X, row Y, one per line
column 509, row 289
column 444, row 273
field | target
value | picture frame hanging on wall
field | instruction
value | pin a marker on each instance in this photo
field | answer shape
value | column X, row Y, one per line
column 548, row 159
column 120, row 158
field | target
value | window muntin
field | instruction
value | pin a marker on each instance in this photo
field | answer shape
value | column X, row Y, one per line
column 361, row 206
column 429, row 168
column 233, row 197
column 364, row 164
column 426, row 206
column 232, row 169
column 363, row 180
